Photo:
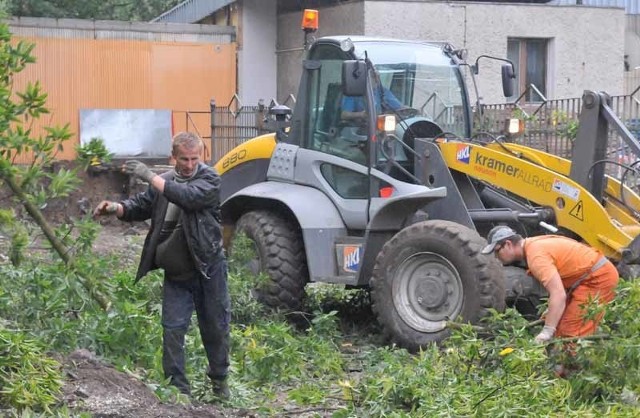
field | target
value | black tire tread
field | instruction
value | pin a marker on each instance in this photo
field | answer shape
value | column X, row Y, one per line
column 282, row 255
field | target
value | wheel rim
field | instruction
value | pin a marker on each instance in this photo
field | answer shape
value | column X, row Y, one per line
column 427, row 291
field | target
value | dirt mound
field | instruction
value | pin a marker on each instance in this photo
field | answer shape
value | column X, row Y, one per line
column 93, row 188
column 95, row 387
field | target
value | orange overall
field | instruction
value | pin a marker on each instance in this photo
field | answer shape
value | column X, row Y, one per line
column 585, row 275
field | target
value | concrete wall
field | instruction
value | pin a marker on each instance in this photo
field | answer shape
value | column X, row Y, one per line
column 345, row 19
column 586, row 43
column 257, row 64
column 632, row 41
column 586, row 46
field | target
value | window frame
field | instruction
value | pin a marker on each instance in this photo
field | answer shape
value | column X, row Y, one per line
column 522, row 66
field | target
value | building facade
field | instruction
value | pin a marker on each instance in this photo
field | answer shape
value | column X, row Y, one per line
column 560, row 47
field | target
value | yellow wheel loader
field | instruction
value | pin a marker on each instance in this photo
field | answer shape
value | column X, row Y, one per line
column 370, row 183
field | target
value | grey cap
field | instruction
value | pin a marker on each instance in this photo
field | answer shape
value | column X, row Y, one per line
column 496, row 235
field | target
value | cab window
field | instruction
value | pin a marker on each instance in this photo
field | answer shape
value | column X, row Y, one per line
column 332, row 128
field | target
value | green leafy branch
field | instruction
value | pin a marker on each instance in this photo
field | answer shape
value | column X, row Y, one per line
column 34, row 184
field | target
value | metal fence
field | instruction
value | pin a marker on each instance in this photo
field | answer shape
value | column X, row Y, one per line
column 222, row 128
column 552, row 125
column 236, row 123
column 631, row 78
column 198, row 122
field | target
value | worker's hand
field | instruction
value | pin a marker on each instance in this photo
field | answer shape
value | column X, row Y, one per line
column 106, row 207
column 136, row 168
column 545, row 335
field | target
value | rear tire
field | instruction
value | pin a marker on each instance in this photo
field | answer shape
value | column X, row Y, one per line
column 280, row 252
column 429, row 273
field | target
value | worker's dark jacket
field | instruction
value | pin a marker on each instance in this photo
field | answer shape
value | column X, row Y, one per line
column 199, row 199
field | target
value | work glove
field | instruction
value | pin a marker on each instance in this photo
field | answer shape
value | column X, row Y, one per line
column 136, row 168
column 105, row 208
column 545, row 335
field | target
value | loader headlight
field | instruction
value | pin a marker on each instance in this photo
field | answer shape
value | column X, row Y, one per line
column 387, row 123
column 515, row 126
column 346, row 45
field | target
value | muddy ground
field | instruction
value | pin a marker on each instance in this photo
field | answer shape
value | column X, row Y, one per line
column 95, row 387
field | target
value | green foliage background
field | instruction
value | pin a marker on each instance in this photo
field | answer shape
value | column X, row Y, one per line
column 140, row 10
column 332, row 360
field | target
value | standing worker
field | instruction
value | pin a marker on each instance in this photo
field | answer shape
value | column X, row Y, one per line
column 185, row 240
column 572, row 273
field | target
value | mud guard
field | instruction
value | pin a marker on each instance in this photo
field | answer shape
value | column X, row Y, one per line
column 388, row 217
column 316, row 214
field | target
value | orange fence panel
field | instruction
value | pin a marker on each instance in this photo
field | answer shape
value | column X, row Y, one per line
column 126, row 74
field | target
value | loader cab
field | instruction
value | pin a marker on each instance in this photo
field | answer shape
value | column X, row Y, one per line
column 421, row 84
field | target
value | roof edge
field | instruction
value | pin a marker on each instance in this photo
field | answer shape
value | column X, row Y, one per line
column 190, row 11
column 117, row 25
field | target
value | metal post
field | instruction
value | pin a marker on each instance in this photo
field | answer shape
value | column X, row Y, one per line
column 212, row 109
column 590, row 145
column 260, row 116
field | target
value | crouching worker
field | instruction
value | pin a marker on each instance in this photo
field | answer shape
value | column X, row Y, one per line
column 573, row 273
column 185, row 240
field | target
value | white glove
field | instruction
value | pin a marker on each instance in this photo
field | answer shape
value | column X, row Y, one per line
column 545, row 335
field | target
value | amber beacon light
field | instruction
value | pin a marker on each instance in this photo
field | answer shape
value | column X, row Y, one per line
column 310, row 20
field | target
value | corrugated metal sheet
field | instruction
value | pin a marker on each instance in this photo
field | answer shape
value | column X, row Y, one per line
column 191, row 11
column 104, row 29
column 630, row 6
column 80, row 73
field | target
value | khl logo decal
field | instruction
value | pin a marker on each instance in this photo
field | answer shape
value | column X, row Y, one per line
column 351, row 258
column 463, row 153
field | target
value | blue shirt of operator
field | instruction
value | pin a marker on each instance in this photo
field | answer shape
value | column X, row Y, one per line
column 356, row 103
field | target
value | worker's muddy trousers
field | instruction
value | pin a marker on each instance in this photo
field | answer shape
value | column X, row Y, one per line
column 210, row 299
column 600, row 288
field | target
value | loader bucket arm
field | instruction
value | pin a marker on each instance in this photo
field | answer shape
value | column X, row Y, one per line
column 621, row 203
column 542, row 179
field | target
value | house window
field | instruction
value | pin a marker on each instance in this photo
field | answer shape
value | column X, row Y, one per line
column 530, row 59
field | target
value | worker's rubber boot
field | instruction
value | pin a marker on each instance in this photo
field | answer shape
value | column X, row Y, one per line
column 220, row 388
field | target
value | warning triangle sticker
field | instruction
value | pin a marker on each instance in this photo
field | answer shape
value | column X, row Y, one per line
column 576, row 212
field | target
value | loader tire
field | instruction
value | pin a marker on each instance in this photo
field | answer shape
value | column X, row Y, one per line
column 523, row 292
column 280, row 254
column 628, row 272
column 431, row 272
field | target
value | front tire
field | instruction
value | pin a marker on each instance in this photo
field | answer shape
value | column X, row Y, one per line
column 429, row 273
column 280, row 254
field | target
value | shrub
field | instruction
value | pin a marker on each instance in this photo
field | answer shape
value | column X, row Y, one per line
column 28, row 378
column 93, row 152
